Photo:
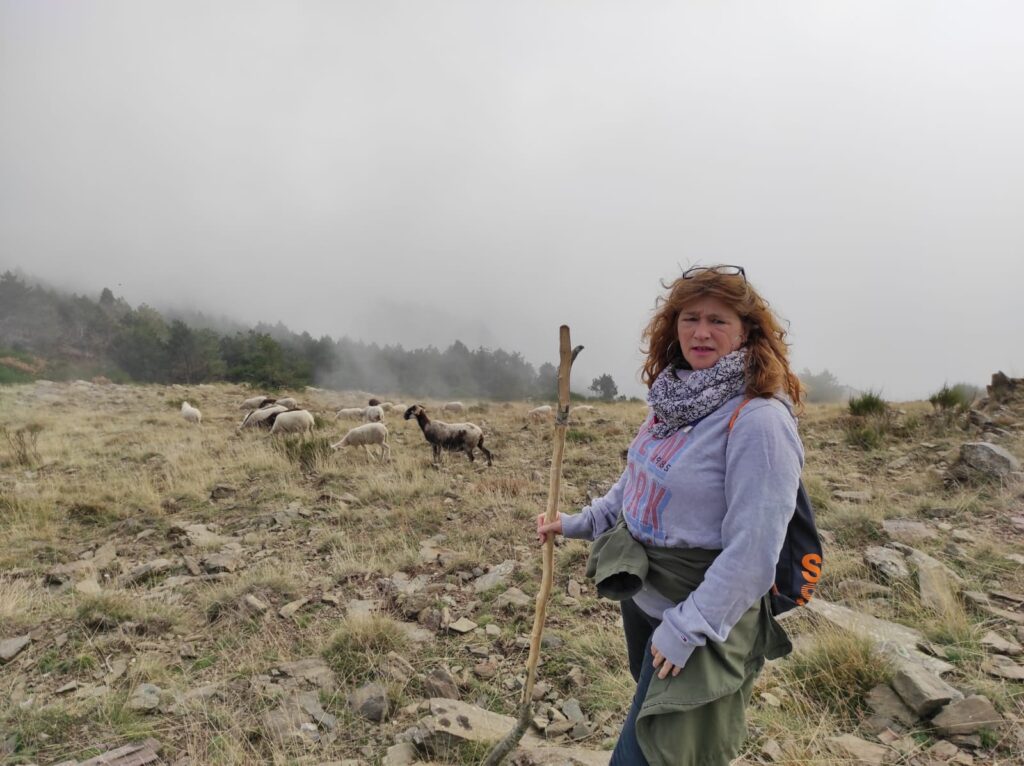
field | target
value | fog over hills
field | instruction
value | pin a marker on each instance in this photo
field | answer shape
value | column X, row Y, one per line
column 416, row 174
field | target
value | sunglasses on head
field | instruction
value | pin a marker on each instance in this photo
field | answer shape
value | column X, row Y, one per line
column 723, row 269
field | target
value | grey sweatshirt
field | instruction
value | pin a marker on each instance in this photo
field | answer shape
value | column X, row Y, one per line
column 707, row 488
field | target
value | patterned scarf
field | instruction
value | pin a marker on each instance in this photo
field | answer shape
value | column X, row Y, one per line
column 678, row 403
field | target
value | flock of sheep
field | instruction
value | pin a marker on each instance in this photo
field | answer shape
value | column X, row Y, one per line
column 284, row 416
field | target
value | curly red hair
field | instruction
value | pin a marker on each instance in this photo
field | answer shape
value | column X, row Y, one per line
column 768, row 371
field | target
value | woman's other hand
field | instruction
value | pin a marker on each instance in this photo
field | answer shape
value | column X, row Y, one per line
column 661, row 661
column 544, row 529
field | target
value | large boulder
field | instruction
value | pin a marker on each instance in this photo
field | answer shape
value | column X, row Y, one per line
column 982, row 461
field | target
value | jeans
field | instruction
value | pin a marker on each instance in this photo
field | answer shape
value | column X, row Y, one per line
column 638, row 627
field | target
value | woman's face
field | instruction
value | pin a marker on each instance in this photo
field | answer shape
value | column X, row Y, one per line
column 708, row 330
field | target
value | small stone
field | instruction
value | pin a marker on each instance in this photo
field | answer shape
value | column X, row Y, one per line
column 888, row 563
column 146, row 697
column 439, row 683
column 1003, row 667
column 574, row 589
column 370, row 701
column 219, row 562
column 485, row 670
column 513, row 598
column 996, row 643
column 462, row 625
column 496, row 577
column 492, row 630
column 885, row 702
column 12, row 647
column 908, row 531
column 923, row 692
column 858, row 750
column 221, row 491
column 770, row 700
column 967, row 716
column 253, row 604
column 289, row 609
column 402, row 754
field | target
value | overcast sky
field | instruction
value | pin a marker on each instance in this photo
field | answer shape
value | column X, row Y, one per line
column 416, row 172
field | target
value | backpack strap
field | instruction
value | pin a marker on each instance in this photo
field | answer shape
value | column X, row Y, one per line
column 736, row 414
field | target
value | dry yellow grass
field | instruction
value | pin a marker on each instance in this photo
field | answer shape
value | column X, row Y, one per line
column 119, row 464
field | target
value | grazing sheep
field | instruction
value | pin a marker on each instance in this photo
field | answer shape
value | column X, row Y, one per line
column 364, row 436
column 352, row 413
column 261, row 418
column 457, row 437
column 289, row 403
column 292, row 422
column 373, row 414
column 453, row 407
column 256, row 402
column 190, row 413
column 580, row 409
column 540, row 414
column 399, row 407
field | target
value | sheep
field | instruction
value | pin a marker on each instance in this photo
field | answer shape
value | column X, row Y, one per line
column 365, row 435
column 292, row 422
column 289, row 403
column 350, row 412
column 256, row 402
column 373, row 414
column 261, row 418
column 453, row 407
column 190, row 413
column 540, row 414
column 580, row 409
column 461, row 437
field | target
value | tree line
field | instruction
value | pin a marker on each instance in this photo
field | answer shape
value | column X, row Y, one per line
column 78, row 336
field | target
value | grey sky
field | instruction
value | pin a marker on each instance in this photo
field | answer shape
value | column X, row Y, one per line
column 417, row 172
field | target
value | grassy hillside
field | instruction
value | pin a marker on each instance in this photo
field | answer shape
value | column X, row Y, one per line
column 137, row 549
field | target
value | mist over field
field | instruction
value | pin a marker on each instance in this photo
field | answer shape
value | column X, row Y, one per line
column 402, row 173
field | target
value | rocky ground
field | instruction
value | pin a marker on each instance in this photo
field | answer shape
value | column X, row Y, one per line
column 180, row 594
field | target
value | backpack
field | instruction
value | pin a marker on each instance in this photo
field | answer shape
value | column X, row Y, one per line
column 799, row 566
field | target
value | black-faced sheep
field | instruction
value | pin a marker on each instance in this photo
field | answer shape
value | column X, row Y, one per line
column 456, row 437
column 292, row 422
column 261, row 418
column 256, row 402
column 190, row 413
column 373, row 414
column 364, row 436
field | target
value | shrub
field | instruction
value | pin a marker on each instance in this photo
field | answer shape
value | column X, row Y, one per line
column 838, row 671
column 865, row 435
column 306, row 453
column 23, row 443
column 868, row 403
column 360, row 645
column 957, row 398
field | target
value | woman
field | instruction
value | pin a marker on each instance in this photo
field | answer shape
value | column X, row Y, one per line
column 689, row 535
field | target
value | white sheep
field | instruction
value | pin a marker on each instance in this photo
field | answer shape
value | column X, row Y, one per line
column 373, row 414
column 350, row 413
column 453, row 407
column 261, row 418
column 292, row 422
column 581, row 409
column 364, row 436
column 288, row 402
column 540, row 414
column 190, row 413
column 255, row 403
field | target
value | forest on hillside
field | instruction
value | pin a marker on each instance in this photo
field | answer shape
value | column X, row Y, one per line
column 47, row 333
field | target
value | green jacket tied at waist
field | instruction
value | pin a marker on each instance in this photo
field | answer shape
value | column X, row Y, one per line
column 696, row 718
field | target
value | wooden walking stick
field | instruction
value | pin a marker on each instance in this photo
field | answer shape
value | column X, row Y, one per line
column 566, row 358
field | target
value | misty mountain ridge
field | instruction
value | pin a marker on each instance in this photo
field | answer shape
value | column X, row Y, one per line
column 48, row 332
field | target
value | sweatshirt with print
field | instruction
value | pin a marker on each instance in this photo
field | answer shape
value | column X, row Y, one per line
column 707, row 487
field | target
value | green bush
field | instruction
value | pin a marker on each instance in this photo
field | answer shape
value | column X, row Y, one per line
column 868, row 403
column 957, row 398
